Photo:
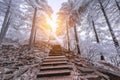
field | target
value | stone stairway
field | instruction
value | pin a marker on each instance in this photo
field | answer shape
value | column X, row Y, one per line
column 58, row 67
column 54, row 66
column 56, row 51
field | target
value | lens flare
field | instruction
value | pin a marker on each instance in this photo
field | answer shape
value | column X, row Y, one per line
column 52, row 22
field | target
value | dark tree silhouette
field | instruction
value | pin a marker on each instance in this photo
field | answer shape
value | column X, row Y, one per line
column 97, row 39
column 117, row 4
column 68, row 39
column 77, row 40
column 6, row 22
column 109, row 26
column 32, row 35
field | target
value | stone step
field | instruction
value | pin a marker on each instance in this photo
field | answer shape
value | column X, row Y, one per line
column 55, row 57
column 55, row 54
column 53, row 73
column 57, row 67
column 58, row 78
column 54, row 63
column 51, row 60
column 85, row 70
column 91, row 77
column 80, row 64
column 55, row 51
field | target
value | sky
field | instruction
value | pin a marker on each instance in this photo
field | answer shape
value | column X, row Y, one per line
column 56, row 4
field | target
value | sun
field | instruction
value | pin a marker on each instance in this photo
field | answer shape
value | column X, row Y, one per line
column 52, row 22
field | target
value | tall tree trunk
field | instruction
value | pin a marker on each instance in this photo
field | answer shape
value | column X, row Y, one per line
column 6, row 23
column 117, row 5
column 7, row 26
column 96, row 35
column 109, row 26
column 35, row 35
column 68, row 39
column 77, row 40
column 97, row 39
column 31, row 41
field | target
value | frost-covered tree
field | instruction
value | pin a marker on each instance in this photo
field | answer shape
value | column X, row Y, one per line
column 6, row 21
column 18, row 19
column 21, row 18
column 70, row 15
column 44, row 7
column 102, row 27
column 117, row 4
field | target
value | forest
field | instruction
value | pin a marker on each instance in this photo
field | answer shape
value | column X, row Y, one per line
column 30, row 30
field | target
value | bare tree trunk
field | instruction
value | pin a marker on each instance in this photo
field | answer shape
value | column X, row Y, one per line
column 77, row 40
column 96, row 35
column 109, row 26
column 68, row 39
column 97, row 40
column 6, row 23
column 31, row 41
column 117, row 5
column 35, row 36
